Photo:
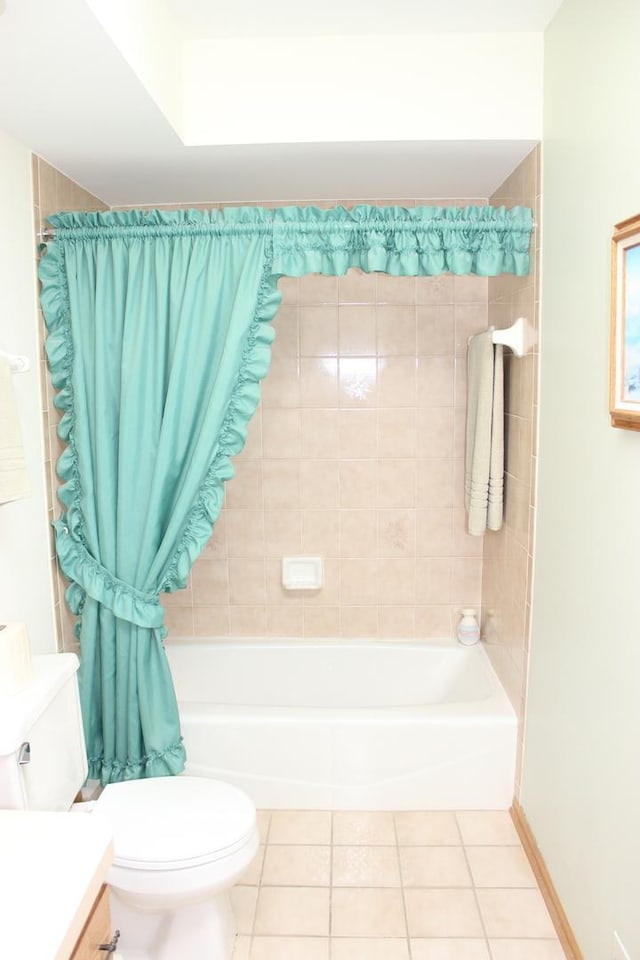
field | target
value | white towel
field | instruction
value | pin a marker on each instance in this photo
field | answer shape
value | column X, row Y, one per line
column 14, row 482
column 484, row 452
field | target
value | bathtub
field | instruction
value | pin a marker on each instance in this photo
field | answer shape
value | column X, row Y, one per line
column 347, row 725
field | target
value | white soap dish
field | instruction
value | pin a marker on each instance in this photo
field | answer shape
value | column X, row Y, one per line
column 302, row 573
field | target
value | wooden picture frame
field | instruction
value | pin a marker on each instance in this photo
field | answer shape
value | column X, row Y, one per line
column 624, row 405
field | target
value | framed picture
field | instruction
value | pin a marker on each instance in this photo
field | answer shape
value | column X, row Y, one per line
column 625, row 325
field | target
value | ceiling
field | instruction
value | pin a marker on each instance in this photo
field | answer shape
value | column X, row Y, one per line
column 69, row 93
column 249, row 18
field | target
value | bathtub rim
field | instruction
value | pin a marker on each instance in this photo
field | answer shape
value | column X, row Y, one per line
column 496, row 705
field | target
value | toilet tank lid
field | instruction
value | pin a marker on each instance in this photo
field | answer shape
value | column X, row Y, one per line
column 162, row 822
column 20, row 711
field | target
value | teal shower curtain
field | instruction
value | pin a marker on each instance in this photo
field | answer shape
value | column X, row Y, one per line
column 158, row 335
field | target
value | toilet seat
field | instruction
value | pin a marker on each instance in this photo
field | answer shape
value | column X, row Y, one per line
column 176, row 823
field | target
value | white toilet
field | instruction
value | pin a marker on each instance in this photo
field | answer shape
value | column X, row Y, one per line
column 180, row 842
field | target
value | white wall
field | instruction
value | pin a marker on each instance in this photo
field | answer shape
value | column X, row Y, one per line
column 345, row 89
column 25, row 577
column 143, row 32
column 581, row 780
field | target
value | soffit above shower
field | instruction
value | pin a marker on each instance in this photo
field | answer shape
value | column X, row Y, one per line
column 290, row 18
column 120, row 97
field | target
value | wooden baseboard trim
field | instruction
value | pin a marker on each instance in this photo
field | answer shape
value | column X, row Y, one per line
column 547, row 889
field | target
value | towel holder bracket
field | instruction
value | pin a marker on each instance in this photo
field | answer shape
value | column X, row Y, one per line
column 17, row 364
column 512, row 337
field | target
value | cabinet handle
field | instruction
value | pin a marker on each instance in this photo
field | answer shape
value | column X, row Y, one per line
column 113, row 945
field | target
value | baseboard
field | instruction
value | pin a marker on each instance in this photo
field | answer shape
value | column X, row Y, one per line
column 547, row 889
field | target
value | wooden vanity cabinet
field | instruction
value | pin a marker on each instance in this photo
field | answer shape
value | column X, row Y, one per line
column 96, row 931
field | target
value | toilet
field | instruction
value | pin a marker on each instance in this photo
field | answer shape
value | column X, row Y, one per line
column 180, row 843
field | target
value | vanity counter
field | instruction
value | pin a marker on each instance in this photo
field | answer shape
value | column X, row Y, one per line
column 52, row 866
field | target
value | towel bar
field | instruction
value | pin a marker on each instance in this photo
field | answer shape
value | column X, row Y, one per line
column 16, row 364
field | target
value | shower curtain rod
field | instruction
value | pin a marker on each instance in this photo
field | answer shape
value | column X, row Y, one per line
column 48, row 233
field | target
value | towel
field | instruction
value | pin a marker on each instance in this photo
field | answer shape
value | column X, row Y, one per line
column 484, row 450
column 14, row 482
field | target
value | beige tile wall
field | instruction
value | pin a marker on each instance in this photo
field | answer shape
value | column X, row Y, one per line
column 53, row 192
column 354, row 455
column 508, row 554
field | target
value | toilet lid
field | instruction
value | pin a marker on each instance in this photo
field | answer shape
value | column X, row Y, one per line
column 172, row 822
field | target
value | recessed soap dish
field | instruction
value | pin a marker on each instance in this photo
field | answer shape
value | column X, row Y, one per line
column 302, row 573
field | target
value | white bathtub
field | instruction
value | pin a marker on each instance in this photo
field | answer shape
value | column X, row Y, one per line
column 349, row 725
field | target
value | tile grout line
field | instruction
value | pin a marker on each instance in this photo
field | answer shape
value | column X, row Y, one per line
column 330, row 947
column 474, row 888
column 259, row 884
column 404, row 902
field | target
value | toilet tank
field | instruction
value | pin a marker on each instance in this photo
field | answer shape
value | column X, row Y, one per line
column 43, row 761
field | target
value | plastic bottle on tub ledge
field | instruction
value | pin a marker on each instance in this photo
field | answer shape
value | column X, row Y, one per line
column 468, row 631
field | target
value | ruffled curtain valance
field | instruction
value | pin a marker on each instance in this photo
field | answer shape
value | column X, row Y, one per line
column 401, row 241
column 404, row 242
column 159, row 333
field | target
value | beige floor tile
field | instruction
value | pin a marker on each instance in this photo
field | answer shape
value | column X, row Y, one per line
column 432, row 828
column 263, row 818
column 443, row 949
column 300, row 826
column 487, row 827
column 243, row 901
column 364, row 948
column 500, row 867
column 290, row 948
column 365, row 867
column 434, row 867
column 357, row 912
column 241, row 948
column 442, row 913
column 293, row 912
column 515, row 913
column 297, row 865
column 251, row 876
column 353, row 827
column 526, row 950
column 304, row 899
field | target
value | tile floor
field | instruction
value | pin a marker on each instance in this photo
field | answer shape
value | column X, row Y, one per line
column 391, row 886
